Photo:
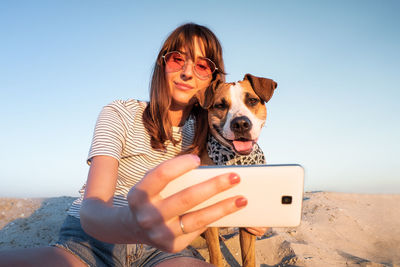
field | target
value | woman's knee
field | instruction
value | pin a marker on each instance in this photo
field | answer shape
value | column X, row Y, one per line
column 41, row 256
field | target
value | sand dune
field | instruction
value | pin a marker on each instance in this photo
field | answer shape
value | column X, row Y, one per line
column 336, row 230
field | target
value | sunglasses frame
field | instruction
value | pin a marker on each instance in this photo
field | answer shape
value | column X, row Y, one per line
column 194, row 64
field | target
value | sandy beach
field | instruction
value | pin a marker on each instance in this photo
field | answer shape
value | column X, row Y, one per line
column 337, row 229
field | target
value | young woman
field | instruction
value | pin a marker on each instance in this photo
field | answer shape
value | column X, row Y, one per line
column 137, row 149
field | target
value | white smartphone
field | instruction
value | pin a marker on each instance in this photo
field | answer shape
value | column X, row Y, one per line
column 274, row 193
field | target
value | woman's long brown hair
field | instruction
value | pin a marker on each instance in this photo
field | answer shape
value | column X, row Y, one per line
column 155, row 116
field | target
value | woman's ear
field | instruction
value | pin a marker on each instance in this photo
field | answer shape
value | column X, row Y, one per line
column 263, row 87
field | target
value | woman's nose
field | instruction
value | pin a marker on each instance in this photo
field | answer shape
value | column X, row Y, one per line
column 187, row 70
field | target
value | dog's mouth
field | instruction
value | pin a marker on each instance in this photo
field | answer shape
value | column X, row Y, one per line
column 242, row 146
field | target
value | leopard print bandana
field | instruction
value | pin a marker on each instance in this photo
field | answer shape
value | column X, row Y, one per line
column 222, row 155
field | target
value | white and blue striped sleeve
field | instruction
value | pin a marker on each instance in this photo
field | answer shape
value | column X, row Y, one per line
column 109, row 134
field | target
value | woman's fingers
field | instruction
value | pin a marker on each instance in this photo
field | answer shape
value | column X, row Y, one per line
column 199, row 219
column 157, row 178
column 192, row 196
column 169, row 235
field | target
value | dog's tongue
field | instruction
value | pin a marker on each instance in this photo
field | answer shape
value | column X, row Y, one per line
column 243, row 145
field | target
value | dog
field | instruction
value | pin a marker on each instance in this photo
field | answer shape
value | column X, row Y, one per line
column 236, row 115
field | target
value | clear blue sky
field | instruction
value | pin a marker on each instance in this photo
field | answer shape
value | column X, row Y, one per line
column 337, row 64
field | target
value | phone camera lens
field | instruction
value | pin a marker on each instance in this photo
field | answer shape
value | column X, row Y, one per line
column 286, row 200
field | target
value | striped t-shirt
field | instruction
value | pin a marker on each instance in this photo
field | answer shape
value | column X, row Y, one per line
column 120, row 133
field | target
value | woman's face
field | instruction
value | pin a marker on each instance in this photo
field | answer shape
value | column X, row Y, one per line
column 184, row 83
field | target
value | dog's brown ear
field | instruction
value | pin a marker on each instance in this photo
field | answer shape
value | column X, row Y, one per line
column 205, row 96
column 263, row 87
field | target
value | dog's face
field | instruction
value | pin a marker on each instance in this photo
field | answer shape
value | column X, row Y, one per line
column 237, row 112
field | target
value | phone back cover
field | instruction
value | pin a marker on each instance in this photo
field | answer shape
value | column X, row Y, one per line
column 262, row 185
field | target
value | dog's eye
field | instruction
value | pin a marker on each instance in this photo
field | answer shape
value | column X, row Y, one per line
column 252, row 101
column 221, row 106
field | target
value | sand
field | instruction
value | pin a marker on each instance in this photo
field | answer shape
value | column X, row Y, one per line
column 336, row 230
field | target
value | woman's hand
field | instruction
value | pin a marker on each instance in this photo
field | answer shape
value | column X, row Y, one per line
column 155, row 221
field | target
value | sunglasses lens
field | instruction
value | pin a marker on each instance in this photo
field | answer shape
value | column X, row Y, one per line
column 174, row 61
column 204, row 67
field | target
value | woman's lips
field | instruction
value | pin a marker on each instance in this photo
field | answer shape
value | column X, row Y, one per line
column 183, row 86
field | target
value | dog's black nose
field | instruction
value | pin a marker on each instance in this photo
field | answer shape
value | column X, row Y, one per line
column 241, row 124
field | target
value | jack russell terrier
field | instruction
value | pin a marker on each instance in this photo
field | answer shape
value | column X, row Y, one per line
column 236, row 115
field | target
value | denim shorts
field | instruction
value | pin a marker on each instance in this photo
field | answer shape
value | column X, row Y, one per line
column 97, row 253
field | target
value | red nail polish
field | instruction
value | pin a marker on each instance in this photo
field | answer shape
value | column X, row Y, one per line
column 241, row 202
column 234, row 178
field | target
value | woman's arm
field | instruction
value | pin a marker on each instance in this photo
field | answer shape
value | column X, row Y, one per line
column 149, row 218
column 98, row 216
